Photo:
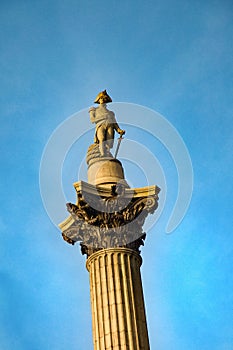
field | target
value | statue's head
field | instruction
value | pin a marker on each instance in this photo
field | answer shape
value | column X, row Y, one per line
column 103, row 97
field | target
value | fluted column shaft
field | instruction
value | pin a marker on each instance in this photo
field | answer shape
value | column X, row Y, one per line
column 118, row 312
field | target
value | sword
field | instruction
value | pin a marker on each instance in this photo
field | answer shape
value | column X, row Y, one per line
column 118, row 145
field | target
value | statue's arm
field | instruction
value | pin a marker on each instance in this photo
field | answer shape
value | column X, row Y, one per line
column 92, row 114
column 118, row 129
column 116, row 126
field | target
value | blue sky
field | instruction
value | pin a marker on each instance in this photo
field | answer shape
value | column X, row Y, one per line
column 174, row 57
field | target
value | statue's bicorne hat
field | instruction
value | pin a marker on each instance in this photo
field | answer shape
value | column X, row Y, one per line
column 104, row 95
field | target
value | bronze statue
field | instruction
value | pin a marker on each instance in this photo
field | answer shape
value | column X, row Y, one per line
column 106, row 124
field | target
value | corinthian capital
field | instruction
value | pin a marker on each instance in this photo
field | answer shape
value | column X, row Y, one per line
column 108, row 218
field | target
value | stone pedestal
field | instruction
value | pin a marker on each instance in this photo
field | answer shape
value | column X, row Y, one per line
column 106, row 172
column 118, row 312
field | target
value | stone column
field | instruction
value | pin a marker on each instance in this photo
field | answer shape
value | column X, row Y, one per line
column 107, row 220
column 118, row 312
column 108, row 223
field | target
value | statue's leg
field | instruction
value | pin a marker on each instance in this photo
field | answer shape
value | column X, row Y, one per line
column 100, row 133
column 110, row 136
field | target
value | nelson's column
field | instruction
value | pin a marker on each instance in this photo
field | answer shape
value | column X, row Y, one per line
column 107, row 220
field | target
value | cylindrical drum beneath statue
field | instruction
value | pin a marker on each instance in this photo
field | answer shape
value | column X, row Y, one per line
column 106, row 172
column 118, row 312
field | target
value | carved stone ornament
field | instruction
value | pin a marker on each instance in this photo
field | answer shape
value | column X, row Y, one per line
column 107, row 218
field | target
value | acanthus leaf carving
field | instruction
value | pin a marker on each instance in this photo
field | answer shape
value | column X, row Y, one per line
column 114, row 221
